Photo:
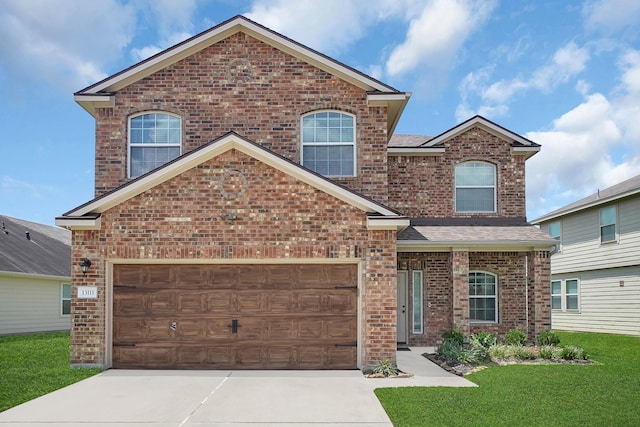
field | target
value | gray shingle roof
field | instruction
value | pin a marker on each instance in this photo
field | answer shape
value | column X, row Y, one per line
column 618, row 191
column 410, row 141
column 46, row 252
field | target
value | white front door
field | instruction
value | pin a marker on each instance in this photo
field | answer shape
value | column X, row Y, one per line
column 403, row 312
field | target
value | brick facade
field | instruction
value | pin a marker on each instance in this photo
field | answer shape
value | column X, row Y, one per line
column 424, row 186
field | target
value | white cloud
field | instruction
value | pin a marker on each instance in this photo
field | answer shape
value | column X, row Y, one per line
column 145, row 52
column 63, row 44
column 567, row 62
column 434, row 37
column 611, row 15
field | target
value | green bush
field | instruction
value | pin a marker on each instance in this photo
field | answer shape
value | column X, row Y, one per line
column 519, row 352
column 473, row 355
column 573, row 353
column 548, row 338
column 454, row 335
column 386, row 367
column 498, row 352
column 515, row 337
column 548, row 352
column 450, row 350
column 483, row 339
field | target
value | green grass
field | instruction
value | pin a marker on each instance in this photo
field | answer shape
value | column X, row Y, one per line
column 34, row 365
column 604, row 394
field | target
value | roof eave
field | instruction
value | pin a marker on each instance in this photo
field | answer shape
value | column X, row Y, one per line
column 478, row 246
column 397, row 223
column 395, row 103
column 415, row 151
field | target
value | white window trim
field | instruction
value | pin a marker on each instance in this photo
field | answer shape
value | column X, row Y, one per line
column 556, row 295
column 62, row 299
column 332, row 144
column 615, row 224
column 497, row 318
column 495, row 188
column 564, row 294
column 129, row 145
column 417, row 286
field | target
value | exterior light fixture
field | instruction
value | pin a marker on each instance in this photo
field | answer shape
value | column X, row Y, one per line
column 86, row 263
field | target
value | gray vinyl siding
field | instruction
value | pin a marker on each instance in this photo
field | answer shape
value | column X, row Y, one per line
column 29, row 304
column 581, row 248
column 605, row 304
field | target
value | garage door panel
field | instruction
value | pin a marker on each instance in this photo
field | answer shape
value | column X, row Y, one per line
column 288, row 316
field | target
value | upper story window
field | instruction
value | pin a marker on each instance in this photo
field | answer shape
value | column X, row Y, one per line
column 475, row 187
column 329, row 144
column 555, row 231
column 483, row 297
column 608, row 224
column 154, row 139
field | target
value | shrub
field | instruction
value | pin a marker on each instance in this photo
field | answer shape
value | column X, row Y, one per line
column 472, row 356
column 519, row 352
column 573, row 353
column 498, row 352
column 454, row 335
column 515, row 337
column 450, row 350
column 548, row 338
column 548, row 352
column 483, row 339
column 386, row 367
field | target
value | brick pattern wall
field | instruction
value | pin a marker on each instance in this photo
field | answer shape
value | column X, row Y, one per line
column 424, row 186
column 446, row 292
column 277, row 217
column 539, row 293
column 241, row 84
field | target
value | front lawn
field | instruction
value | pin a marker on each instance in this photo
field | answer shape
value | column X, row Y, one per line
column 603, row 394
column 34, row 365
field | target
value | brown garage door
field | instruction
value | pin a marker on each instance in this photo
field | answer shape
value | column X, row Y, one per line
column 235, row 316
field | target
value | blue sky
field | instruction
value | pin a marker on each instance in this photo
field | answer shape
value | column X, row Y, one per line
column 565, row 74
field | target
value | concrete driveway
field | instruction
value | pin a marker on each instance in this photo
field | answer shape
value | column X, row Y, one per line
column 224, row 398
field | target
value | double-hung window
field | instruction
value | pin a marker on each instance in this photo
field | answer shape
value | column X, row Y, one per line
column 154, row 139
column 328, row 143
column 483, row 297
column 565, row 295
column 475, row 187
column 608, row 224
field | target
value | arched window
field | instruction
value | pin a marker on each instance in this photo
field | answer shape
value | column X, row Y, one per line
column 329, row 144
column 483, row 297
column 154, row 139
column 475, row 187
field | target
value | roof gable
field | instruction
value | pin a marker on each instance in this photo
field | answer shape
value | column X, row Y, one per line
column 87, row 216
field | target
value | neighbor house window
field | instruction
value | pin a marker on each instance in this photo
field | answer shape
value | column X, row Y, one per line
column 65, row 299
column 483, row 297
column 565, row 295
column 417, row 302
column 328, row 143
column 556, row 295
column 555, row 232
column 475, row 187
column 608, row 224
column 154, row 139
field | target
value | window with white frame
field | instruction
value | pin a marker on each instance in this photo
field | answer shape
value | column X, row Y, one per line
column 483, row 297
column 417, row 293
column 555, row 231
column 65, row 299
column 328, row 143
column 608, row 224
column 565, row 295
column 475, row 187
column 154, row 139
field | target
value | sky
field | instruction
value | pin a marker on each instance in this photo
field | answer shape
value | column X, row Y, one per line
column 563, row 73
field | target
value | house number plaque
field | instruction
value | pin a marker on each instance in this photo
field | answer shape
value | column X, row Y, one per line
column 90, row 292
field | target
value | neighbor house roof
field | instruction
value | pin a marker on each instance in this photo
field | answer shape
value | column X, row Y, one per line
column 414, row 145
column 45, row 250
column 624, row 189
column 432, row 234
column 101, row 93
column 87, row 216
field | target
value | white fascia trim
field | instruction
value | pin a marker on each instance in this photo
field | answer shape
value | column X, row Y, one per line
column 229, row 142
column 61, row 279
column 497, row 245
column 415, row 151
column 388, row 223
column 382, row 99
column 75, row 223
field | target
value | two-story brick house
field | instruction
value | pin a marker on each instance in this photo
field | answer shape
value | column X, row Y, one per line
column 254, row 209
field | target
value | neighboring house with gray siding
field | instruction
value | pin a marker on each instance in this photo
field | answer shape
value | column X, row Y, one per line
column 595, row 270
column 35, row 270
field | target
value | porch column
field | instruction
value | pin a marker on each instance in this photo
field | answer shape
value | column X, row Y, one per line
column 460, row 282
column 539, row 309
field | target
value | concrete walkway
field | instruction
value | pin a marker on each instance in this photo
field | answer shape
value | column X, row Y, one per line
column 225, row 398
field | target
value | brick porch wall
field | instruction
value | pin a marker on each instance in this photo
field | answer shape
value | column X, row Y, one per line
column 539, row 293
column 278, row 218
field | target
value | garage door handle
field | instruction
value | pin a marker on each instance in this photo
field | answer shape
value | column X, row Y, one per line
column 234, row 326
